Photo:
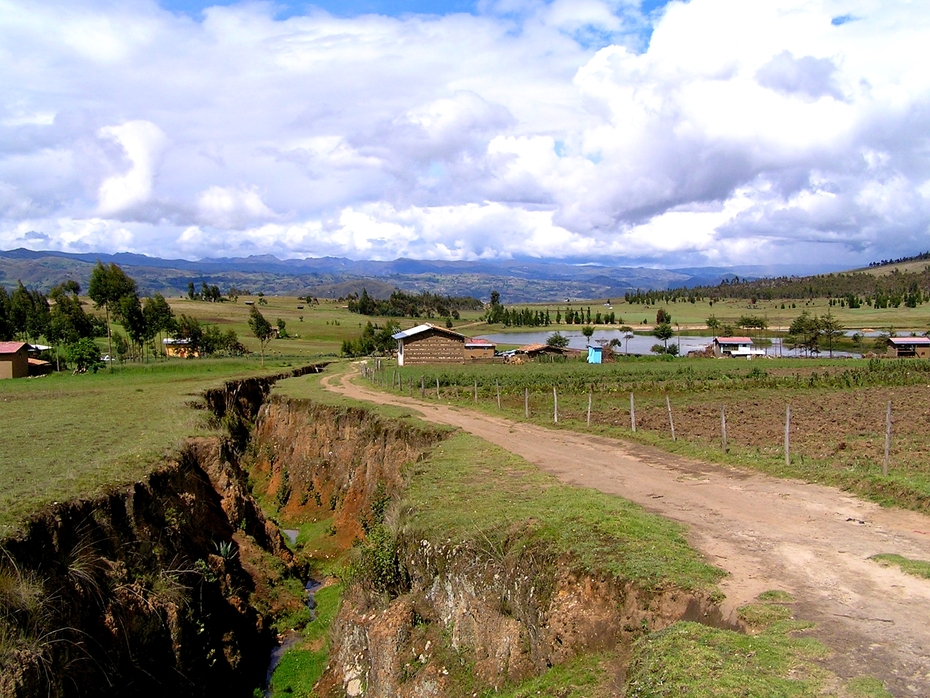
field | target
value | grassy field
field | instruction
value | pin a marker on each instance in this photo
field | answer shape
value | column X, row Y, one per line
column 66, row 436
column 318, row 330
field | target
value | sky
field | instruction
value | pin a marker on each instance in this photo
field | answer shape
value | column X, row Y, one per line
column 670, row 134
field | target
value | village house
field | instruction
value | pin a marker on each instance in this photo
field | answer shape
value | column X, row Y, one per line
column 14, row 360
column 479, row 349
column 180, row 348
column 909, row 347
column 429, row 344
column 737, row 347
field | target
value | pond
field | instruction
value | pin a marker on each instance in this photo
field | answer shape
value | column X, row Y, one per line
column 639, row 344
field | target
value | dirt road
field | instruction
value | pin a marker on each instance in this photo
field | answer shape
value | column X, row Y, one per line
column 811, row 541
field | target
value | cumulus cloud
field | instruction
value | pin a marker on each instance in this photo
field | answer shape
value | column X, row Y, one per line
column 711, row 131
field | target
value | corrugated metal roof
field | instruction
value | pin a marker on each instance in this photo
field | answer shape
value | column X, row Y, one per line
column 419, row 329
column 909, row 340
column 11, row 347
column 733, row 340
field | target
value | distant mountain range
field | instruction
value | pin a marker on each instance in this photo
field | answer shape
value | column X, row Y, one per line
column 518, row 281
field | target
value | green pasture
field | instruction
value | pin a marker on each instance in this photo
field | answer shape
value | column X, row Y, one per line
column 693, row 316
column 66, row 436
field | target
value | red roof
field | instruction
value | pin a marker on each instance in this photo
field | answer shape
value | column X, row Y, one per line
column 733, row 340
column 478, row 342
column 11, row 347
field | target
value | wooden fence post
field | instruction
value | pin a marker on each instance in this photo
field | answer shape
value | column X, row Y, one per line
column 887, row 440
column 555, row 405
column 476, row 390
column 497, row 383
column 723, row 426
column 671, row 422
column 437, row 388
column 788, row 436
column 526, row 403
column 422, row 387
column 589, row 407
column 632, row 413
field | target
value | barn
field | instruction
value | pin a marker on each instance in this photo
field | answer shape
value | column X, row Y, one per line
column 429, row 344
column 14, row 360
column 909, row 347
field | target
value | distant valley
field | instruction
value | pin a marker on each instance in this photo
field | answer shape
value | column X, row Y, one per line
column 519, row 281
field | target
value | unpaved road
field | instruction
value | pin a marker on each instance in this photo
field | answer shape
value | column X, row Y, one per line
column 811, row 541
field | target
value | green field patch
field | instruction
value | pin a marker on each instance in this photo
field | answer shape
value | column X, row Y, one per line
column 66, row 436
column 498, row 496
column 918, row 568
column 688, row 659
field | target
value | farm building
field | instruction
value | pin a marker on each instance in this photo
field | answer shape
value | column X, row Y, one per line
column 429, row 344
column 14, row 360
column 739, row 347
column 909, row 347
column 178, row 347
column 531, row 352
column 477, row 349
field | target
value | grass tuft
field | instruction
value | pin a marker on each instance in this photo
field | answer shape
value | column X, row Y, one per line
column 918, row 568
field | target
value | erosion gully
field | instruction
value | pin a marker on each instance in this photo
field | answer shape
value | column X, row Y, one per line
column 166, row 586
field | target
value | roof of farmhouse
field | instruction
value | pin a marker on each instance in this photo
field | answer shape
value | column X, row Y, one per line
column 420, row 329
column 909, row 340
column 11, row 347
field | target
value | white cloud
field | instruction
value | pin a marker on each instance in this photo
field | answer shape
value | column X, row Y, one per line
column 143, row 143
column 531, row 128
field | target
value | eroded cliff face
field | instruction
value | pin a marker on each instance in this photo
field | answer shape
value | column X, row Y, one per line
column 154, row 588
column 439, row 617
column 317, row 461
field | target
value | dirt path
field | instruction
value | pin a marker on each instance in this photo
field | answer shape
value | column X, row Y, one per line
column 811, row 541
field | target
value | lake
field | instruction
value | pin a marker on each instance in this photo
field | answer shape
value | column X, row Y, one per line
column 638, row 344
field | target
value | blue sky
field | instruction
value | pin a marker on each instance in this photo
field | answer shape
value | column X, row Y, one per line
column 352, row 8
column 711, row 132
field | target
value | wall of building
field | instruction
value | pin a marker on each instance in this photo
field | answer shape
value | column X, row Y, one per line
column 433, row 348
column 14, row 365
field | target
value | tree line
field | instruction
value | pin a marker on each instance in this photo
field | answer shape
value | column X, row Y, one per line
column 60, row 319
column 400, row 304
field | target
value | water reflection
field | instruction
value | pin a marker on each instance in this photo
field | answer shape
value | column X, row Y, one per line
column 642, row 344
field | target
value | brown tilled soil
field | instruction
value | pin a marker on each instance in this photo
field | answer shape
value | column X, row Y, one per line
column 810, row 541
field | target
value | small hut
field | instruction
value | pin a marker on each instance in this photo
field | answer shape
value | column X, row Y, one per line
column 14, row 360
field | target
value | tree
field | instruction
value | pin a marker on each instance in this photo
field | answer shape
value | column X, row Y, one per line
column 804, row 332
column 68, row 322
column 85, row 355
column 713, row 323
column 129, row 312
column 282, row 329
column 663, row 317
column 158, row 315
column 663, row 331
column 587, row 331
column 261, row 328
column 6, row 322
column 29, row 311
column 831, row 329
column 107, row 285
column 557, row 339
column 628, row 334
